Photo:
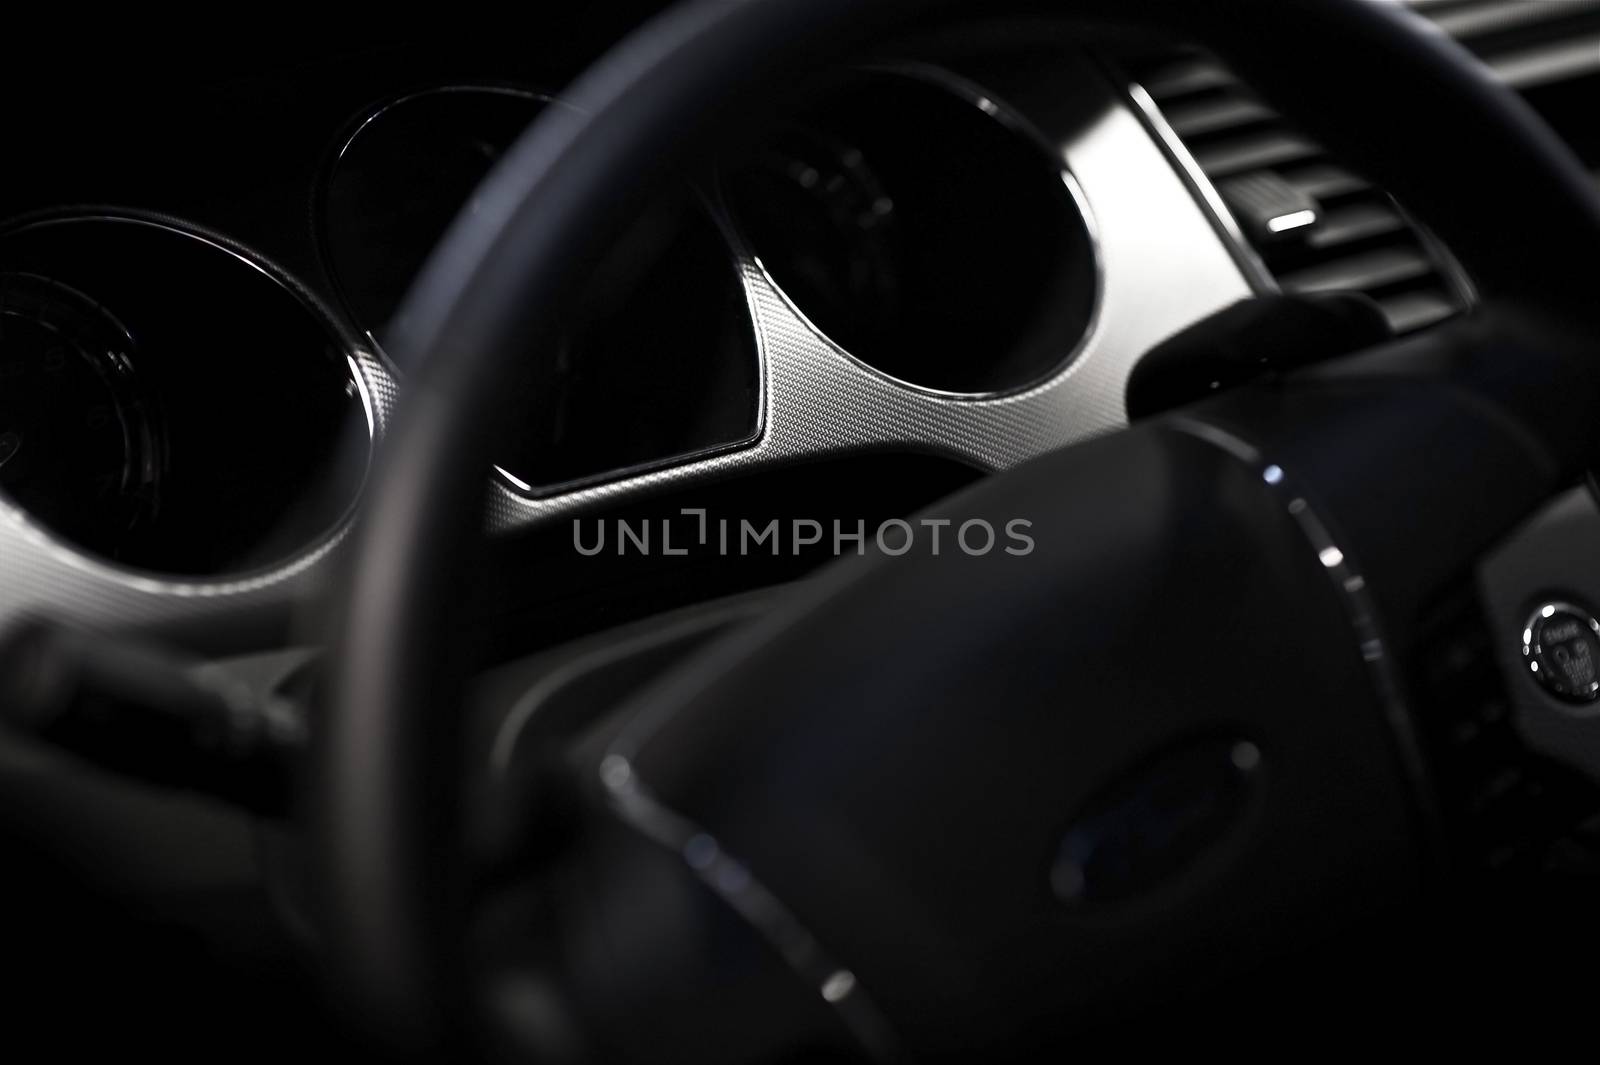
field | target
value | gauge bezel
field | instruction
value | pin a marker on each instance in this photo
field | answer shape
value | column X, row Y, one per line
column 1076, row 204
column 508, row 480
column 370, row 385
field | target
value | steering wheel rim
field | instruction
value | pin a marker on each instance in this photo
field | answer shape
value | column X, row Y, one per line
column 506, row 270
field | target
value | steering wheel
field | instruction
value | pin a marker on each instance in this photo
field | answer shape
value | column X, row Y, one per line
column 946, row 805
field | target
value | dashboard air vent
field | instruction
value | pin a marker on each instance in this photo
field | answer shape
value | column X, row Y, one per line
column 1312, row 223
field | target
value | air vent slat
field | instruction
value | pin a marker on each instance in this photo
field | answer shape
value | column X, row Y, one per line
column 1363, row 272
column 1324, row 181
column 1472, row 22
column 1252, row 152
column 1416, row 308
column 1187, row 76
column 1348, row 234
column 1199, row 117
column 1357, row 221
column 1544, row 64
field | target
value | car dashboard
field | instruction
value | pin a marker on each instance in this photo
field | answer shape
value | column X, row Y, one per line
column 939, row 264
column 200, row 290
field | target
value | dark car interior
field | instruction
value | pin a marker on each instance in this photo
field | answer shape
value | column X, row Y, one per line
column 772, row 531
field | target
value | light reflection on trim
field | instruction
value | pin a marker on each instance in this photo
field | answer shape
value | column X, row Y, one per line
column 733, row 882
column 1293, row 220
column 1353, row 594
column 1245, row 256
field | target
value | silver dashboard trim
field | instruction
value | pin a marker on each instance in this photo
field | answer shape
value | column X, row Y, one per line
column 1018, row 125
column 1244, row 253
column 41, row 572
column 503, row 478
column 1163, row 266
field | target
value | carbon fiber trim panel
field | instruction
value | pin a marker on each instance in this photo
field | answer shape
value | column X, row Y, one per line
column 1162, row 267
